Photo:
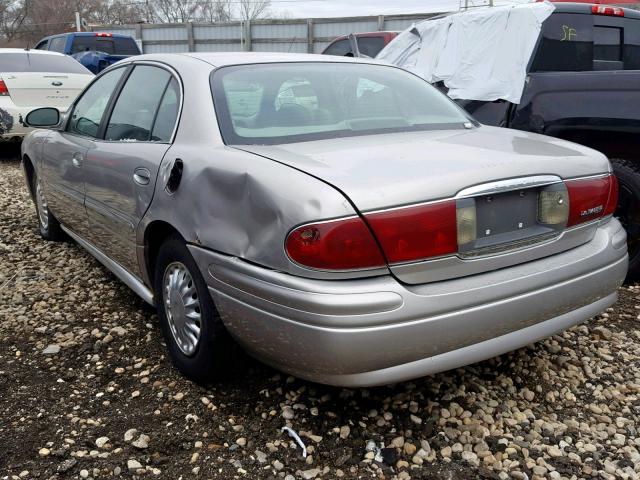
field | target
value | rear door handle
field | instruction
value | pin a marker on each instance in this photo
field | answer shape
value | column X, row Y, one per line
column 141, row 176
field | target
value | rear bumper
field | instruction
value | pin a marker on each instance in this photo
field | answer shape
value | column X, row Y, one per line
column 376, row 331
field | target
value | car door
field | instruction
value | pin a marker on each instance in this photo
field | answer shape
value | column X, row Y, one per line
column 123, row 165
column 62, row 166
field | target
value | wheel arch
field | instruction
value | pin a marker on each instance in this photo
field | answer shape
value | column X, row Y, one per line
column 155, row 234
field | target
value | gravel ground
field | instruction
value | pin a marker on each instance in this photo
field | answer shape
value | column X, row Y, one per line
column 87, row 391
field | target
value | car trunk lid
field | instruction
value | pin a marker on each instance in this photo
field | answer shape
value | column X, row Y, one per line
column 500, row 173
column 32, row 89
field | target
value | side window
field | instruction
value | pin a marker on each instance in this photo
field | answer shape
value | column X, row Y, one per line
column 135, row 110
column 631, row 53
column 370, row 46
column 167, row 113
column 566, row 44
column 339, row 48
column 42, row 45
column 88, row 111
column 57, row 44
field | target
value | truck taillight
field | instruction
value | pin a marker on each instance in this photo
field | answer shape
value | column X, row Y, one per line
column 591, row 198
column 606, row 10
column 343, row 244
column 4, row 91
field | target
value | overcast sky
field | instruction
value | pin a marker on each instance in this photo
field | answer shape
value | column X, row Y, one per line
column 340, row 8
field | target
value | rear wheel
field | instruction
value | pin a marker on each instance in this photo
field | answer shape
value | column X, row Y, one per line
column 199, row 345
column 628, row 211
column 48, row 225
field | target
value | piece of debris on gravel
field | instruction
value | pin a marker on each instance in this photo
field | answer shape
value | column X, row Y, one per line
column 87, row 391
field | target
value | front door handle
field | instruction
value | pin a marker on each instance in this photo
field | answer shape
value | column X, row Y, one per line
column 76, row 159
column 141, row 176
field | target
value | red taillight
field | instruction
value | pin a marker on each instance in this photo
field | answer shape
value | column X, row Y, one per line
column 344, row 244
column 591, row 198
column 104, row 34
column 604, row 10
column 612, row 203
column 416, row 232
column 4, row 91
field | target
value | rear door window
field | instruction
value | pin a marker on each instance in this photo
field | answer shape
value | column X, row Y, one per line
column 135, row 110
column 631, row 52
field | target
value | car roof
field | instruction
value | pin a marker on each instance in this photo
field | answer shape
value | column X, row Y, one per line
column 30, row 51
column 221, row 59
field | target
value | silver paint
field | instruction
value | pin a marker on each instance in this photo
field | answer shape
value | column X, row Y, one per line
column 235, row 206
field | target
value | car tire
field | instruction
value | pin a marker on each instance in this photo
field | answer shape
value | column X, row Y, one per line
column 628, row 210
column 214, row 355
column 48, row 224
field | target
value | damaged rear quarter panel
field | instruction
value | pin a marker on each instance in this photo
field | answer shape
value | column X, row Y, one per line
column 243, row 205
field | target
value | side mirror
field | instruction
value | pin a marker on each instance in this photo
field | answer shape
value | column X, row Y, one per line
column 46, row 117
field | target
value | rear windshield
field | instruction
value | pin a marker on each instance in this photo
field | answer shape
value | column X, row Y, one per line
column 292, row 102
column 112, row 45
column 38, row 62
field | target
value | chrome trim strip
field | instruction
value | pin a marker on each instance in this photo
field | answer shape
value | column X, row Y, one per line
column 133, row 282
column 508, row 185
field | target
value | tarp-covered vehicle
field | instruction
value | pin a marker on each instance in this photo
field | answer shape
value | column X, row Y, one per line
column 570, row 70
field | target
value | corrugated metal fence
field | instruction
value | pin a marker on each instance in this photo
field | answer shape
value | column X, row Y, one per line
column 301, row 35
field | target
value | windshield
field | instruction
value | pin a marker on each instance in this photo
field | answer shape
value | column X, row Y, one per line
column 277, row 103
column 39, row 63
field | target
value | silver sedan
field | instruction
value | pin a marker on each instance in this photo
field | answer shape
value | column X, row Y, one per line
column 339, row 219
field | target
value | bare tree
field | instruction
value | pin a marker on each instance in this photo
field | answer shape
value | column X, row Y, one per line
column 253, row 9
column 117, row 12
column 176, row 11
column 216, row 11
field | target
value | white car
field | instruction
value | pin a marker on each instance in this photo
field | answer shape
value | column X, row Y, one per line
column 33, row 78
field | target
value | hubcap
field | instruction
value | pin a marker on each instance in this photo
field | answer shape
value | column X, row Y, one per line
column 182, row 307
column 43, row 209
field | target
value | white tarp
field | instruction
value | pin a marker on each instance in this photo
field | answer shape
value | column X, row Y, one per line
column 479, row 54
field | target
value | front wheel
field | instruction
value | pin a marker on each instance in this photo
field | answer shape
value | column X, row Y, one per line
column 628, row 211
column 48, row 225
column 199, row 345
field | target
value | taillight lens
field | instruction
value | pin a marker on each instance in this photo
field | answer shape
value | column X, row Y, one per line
column 591, row 198
column 416, row 232
column 344, row 244
column 4, row 91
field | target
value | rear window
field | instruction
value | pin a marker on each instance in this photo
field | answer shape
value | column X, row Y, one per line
column 370, row 46
column 283, row 103
column 37, row 62
column 574, row 42
column 111, row 45
column 566, row 44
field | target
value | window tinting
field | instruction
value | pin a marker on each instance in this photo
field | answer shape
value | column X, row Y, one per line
column 370, row 46
column 111, row 45
column 37, row 62
column 607, row 43
column 284, row 103
column 87, row 114
column 339, row 48
column 42, row 45
column 167, row 113
column 57, row 44
column 135, row 110
column 566, row 44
